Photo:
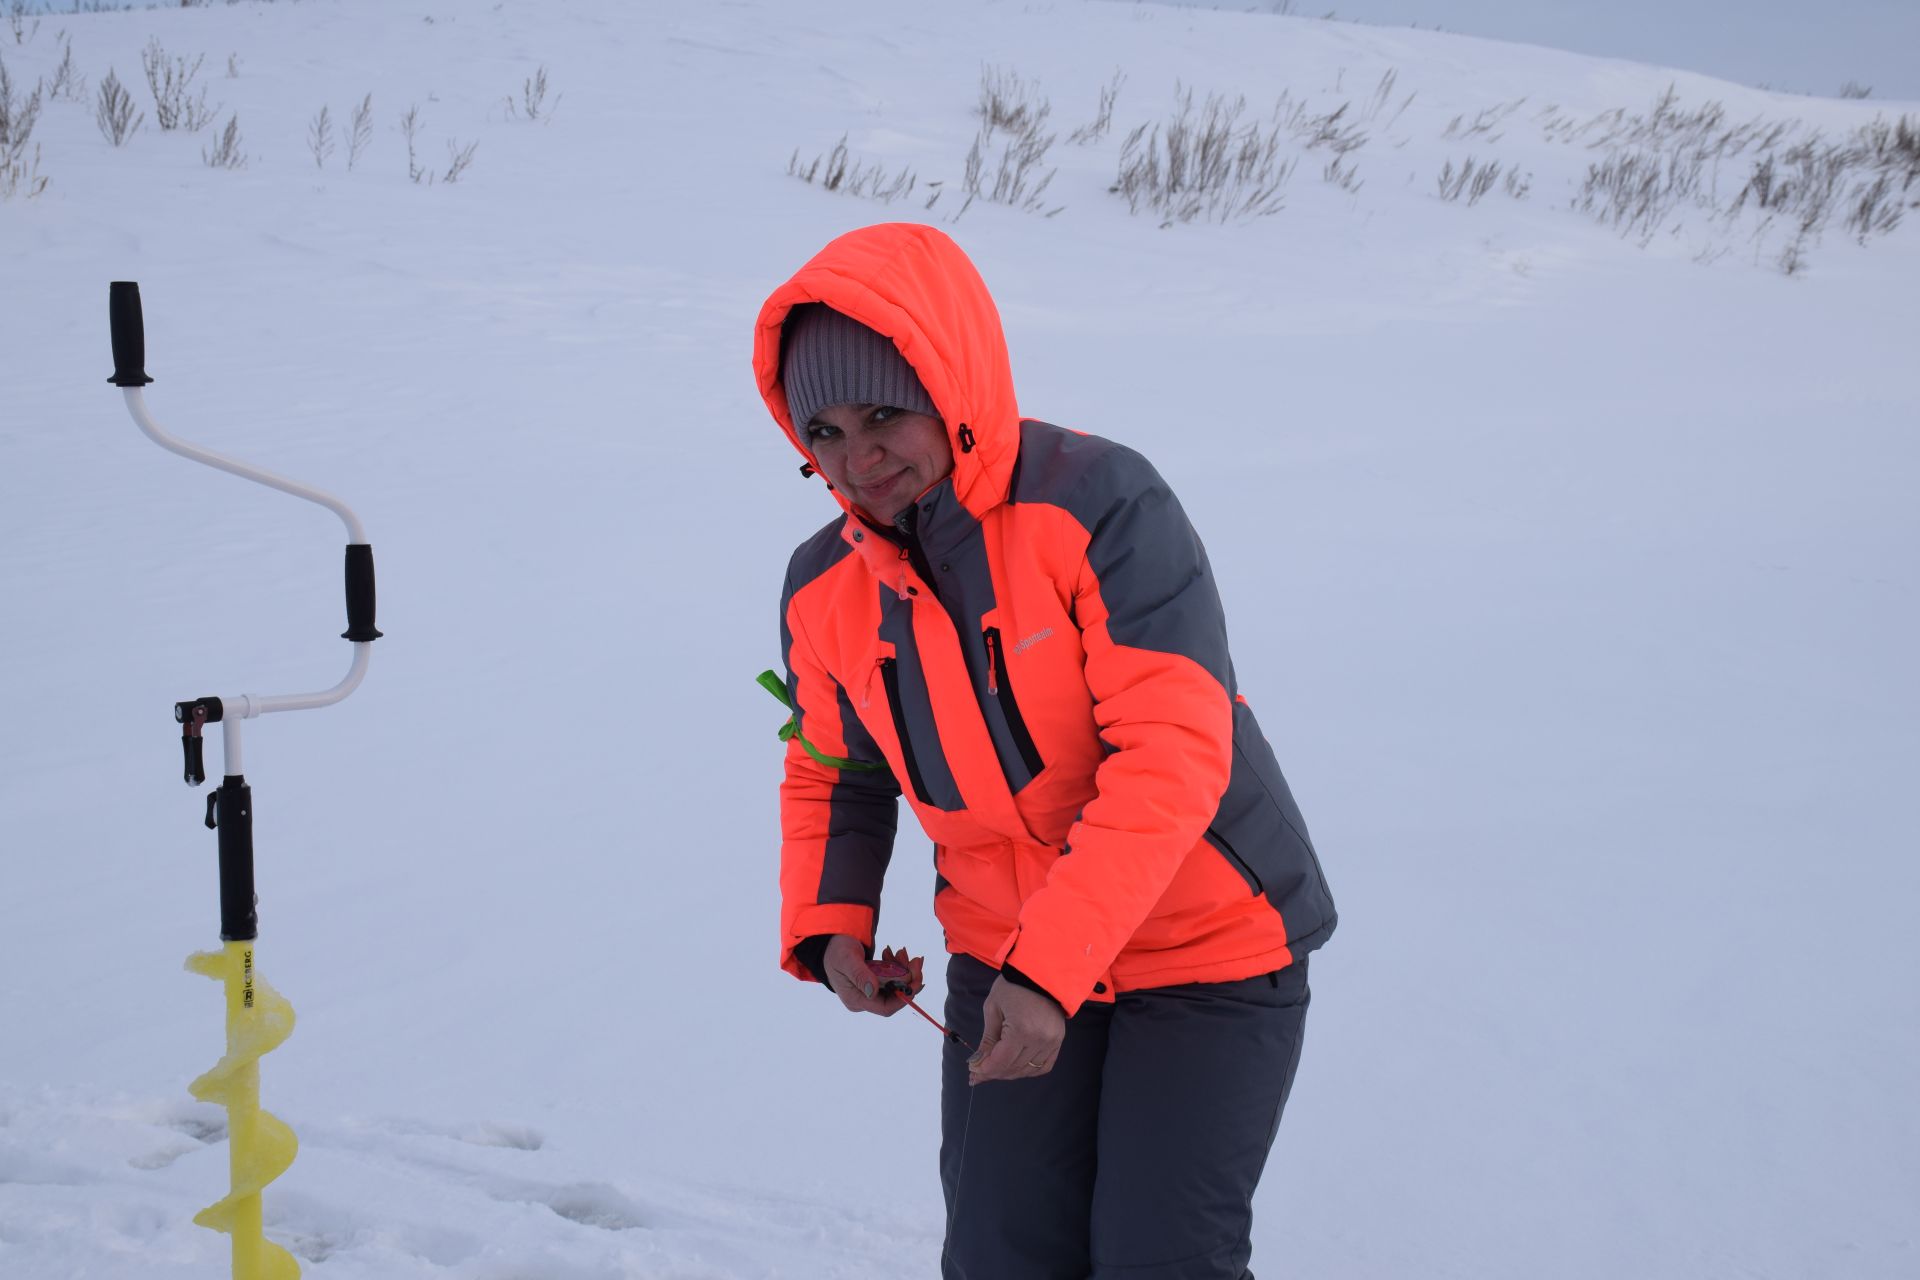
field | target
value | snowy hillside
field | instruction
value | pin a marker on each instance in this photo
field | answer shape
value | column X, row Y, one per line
column 1566, row 530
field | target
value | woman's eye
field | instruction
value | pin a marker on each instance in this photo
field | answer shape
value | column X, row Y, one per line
column 821, row 430
column 883, row 413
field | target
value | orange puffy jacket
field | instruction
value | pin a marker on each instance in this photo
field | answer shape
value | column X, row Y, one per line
column 1041, row 659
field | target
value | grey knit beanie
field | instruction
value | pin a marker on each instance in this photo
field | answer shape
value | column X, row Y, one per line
column 827, row 358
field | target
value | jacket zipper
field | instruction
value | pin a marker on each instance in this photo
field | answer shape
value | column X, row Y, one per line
column 1000, row 687
column 1247, row 872
column 891, row 678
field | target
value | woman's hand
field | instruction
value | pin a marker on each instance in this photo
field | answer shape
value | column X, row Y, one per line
column 855, row 984
column 1020, row 1036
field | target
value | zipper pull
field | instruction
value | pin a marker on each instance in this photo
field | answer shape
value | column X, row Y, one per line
column 993, row 663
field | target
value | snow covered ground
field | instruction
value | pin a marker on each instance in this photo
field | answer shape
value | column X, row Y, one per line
column 1574, row 578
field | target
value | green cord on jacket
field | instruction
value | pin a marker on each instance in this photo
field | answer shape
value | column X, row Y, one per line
column 774, row 685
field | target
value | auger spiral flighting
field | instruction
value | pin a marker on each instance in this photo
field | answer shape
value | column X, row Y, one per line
column 261, row 1146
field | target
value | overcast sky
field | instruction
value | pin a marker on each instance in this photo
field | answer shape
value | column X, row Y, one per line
column 1799, row 46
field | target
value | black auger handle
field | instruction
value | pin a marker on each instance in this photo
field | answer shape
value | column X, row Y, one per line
column 129, row 335
column 360, row 594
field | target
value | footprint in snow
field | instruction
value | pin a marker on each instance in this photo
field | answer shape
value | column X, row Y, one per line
column 591, row 1204
column 518, row 1137
column 197, row 1126
column 204, row 1124
column 161, row 1157
column 315, row 1229
column 475, row 1133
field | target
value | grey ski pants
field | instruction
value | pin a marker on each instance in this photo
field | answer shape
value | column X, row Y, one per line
column 1137, row 1155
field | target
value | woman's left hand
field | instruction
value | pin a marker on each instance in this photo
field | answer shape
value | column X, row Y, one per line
column 1021, row 1035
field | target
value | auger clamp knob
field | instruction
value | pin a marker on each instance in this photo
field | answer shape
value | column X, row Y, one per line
column 193, row 717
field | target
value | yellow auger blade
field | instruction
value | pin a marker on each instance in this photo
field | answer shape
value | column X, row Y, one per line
column 260, row 1145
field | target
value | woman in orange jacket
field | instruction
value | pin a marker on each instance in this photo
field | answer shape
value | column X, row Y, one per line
column 1015, row 625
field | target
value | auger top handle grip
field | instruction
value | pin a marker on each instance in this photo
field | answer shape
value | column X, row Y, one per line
column 129, row 335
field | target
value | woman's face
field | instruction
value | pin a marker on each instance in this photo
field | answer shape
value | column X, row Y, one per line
column 881, row 457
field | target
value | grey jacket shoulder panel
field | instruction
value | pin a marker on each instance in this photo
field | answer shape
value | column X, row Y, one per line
column 1081, row 473
column 1151, row 566
column 812, row 558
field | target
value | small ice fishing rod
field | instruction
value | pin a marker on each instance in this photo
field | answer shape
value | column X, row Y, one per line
column 261, row 1147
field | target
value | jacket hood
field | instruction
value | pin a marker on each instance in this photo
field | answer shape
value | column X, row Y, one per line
column 913, row 284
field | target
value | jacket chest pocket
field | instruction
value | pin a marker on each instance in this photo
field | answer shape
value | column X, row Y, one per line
column 1011, row 736
column 890, row 680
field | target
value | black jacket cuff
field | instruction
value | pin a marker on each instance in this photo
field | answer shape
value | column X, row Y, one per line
column 1020, row 979
column 812, row 954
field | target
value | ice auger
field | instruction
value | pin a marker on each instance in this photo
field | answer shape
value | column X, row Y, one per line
column 261, row 1147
